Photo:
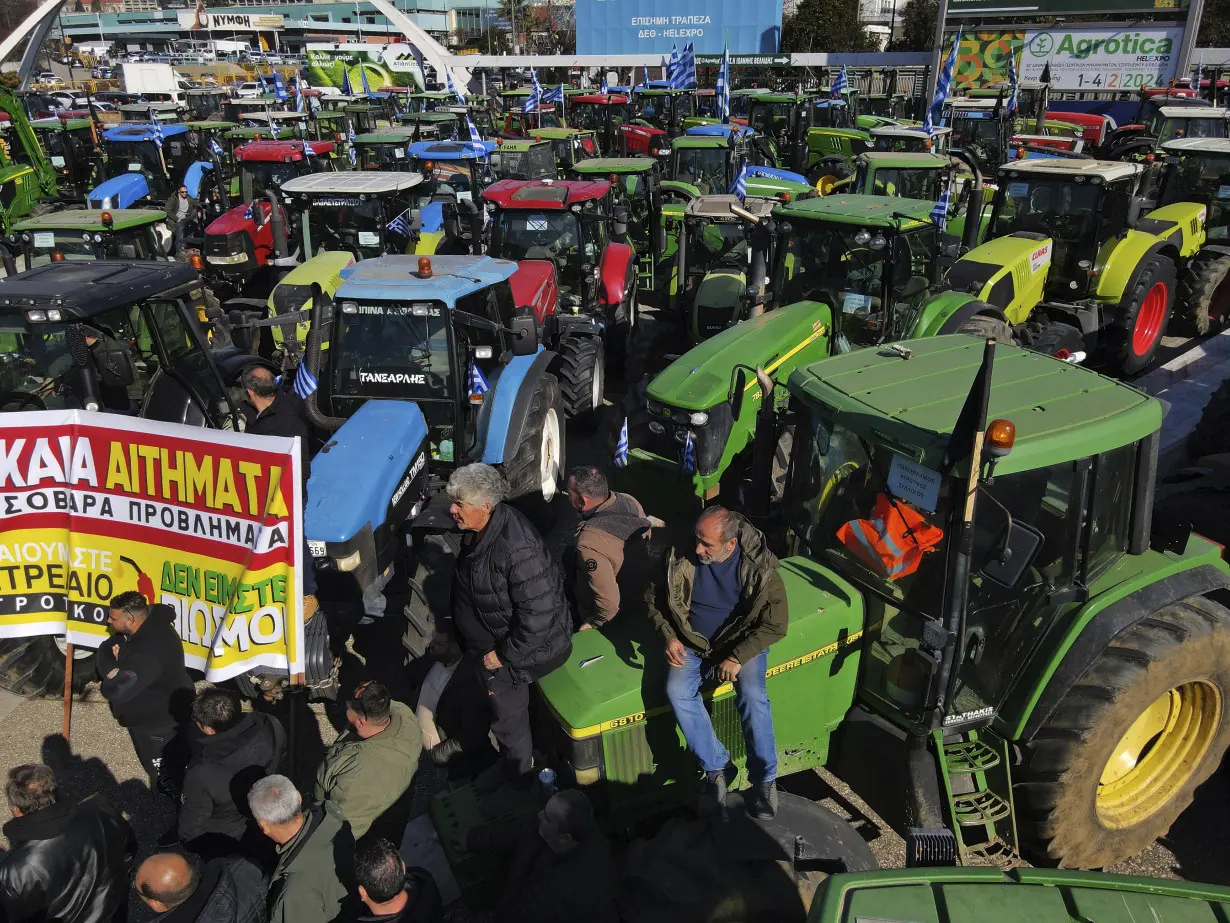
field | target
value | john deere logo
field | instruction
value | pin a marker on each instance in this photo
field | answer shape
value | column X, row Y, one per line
column 1041, row 45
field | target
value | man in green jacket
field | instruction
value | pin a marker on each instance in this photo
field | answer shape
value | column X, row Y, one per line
column 368, row 770
column 720, row 607
column 312, row 880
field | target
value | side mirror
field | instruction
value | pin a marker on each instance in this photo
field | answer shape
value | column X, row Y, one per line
column 619, row 217
column 525, row 336
column 1136, row 208
column 115, row 367
column 1012, row 554
column 494, row 160
column 738, row 390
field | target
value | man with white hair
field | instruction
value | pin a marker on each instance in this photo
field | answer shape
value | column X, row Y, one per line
column 509, row 611
column 311, row 883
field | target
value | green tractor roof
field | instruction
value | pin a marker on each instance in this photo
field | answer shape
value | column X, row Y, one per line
column 889, row 160
column 622, row 166
column 54, row 124
column 1061, row 411
column 867, row 210
column 89, row 219
column 770, row 97
column 519, row 145
column 394, row 135
column 700, row 142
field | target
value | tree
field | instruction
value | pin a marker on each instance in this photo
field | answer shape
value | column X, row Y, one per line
column 13, row 12
column 1215, row 26
column 918, row 26
column 825, row 26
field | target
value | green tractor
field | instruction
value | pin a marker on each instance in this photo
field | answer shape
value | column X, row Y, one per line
column 826, row 138
column 571, row 146
column 1045, row 669
column 663, row 109
column 385, row 149
column 640, row 179
column 73, row 234
column 26, row 176
column 72, row 149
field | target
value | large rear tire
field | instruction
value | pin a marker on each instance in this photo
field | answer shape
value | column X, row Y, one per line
column 1133, row 338
column 35, row 667
column 534, row 472
column 582, row 376
column 1123, row 753
column 1204, row 294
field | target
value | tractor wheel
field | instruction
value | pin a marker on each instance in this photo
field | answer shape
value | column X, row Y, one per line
column 582, row 377
column 1063, row 341
column 534, row 471
column 1123, row 753
column 828, row 171
column 987, row 328
column 1204, row 294
column 1133, row 339
column 35, row 666
column 1212, row 434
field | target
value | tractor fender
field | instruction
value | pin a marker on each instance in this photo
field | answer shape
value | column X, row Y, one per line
column 1066, row 656
column 616, row 270
column 949, row 310
column 1125, row 261
column 119, row 191
column 687, row 190
column 503, row 416
column 194, row 176
column 992, row 272
column 1189, row 219
column 535, row 288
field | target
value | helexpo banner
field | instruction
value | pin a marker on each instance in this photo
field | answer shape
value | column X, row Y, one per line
column 652, row 27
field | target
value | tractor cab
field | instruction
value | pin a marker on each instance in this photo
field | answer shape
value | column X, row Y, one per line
column 601, row 114
column 1079, row 205
column 429, row 102
column 980, row 127
column 872, row 259
column 386, row 149
column 887, row 105
column 639, row 188
column 364, row 116
column 265, row 165
column 436, row 125
column 206, row 103
column 910, row 176
column 569, row 145
column 166, row 112
column 364, row 214
column 454, row 175
column 1198, row 170
column 276, row 124
column 826, row 140
column 521, row 124
column 774, row 116
column 75, row 159
column 1172, row 122
column 905, row 139
column 708, row 158
column 115, row 335
column 523, row 159
column 138, row 168
column 741, row 103
column 73, row 234
column 663, row 109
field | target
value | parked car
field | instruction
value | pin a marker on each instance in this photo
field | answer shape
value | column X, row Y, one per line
column 247, row 90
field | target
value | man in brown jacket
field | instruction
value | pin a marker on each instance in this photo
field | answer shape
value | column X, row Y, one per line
column 612, row 560
column 721, row 606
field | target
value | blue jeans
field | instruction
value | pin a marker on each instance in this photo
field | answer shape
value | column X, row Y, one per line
column 755, row 714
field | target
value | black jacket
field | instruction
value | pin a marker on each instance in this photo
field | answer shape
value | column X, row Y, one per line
column 151, row 691
column 223, row 768
column 508, row 596
column 423, row 901
column 286, row 416
column 231, row 891
column 69, row 863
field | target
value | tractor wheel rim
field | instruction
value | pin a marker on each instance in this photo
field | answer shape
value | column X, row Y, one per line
column 548, row 456
column 1149, row 319
column 1158, row 754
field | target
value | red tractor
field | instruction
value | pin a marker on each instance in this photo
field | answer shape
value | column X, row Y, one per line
column 603, row 114
column 241, row 245
column 581, row 227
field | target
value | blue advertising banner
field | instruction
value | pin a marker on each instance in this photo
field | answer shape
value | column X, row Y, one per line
column 652, row 27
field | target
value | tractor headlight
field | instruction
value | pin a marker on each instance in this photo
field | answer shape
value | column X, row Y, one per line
column 36, row 317
column 351, row 561
column 699, row 419
column 879, row 242
column 86, row 237
column 656, row 428
column 54, row 316
column 862, row 238
column 98, row 238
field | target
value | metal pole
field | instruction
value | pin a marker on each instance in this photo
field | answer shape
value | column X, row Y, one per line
column 938, row 60
column 1191, row 29
column 66, row 722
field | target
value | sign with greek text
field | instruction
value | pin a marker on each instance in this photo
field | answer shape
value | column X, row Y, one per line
column 203, row 521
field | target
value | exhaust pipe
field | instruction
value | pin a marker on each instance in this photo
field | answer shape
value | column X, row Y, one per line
column 973, row 229
column 276, row 217
column 759, row 271
column 313, row 360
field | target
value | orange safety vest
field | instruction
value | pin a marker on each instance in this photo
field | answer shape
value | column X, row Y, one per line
column 893, row 541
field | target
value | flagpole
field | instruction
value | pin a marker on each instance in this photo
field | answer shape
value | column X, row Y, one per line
column 938, row 56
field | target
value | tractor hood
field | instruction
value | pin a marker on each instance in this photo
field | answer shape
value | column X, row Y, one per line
column 617, row 676
column 357, row 475
column 119, row 191
column 701, row 377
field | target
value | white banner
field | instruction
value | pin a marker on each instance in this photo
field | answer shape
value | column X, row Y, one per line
column 1102, row 59
column 216, row 21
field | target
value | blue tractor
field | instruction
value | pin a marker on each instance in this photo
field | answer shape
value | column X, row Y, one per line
column 137, row 170
column 454, row 175
column 423, row 364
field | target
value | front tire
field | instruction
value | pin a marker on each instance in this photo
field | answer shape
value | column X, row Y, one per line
column 582, row 376
column 534, row 471
column 1125, row 750
column 1144, row 312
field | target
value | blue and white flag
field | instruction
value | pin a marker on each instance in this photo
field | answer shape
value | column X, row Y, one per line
column 1013, row 97
column 351, row 152
column 454, row 89
column 534, row 100
column 216, row 149
column 156, row 128
column 300, row 101
column 475, row 137
column 723, row 86
column 840, row 85
column 672, row 68
column 684, row 77
column 936, row 111
column 347, row 89
column 305, row 381
column 621, row 447
column 602, row 87
column 367, row 90
column 279, row 86
column 401, row 224
column 739, row 186
column 1197, row 73
column 554, row 97
column 249, row 213
column 308, row 150
column 645, row 77
column 939, row 214
column 478, row 381
column 689, row 454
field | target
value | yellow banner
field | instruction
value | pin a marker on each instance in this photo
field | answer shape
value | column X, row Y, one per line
column 205, row 522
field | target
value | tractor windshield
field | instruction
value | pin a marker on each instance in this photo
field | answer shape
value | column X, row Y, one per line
column 366, row 229
column 135, row 244
column 829, row 114
column 703, row 167
column 593, row 116
column 908, row 183
column 1165, row 129
column 382, row 156
column 535, row 162
column 1202, row 178
column 258, row 178
column 132, row 157
column 978, row 133
column 1075, row 216
column 771, row 119
column 392, row 350
column 545, row 235
column 713, row 244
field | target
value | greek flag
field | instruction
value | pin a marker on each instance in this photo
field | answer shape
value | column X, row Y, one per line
column 723, row 86
column 602, row 88
column 300, row 101
column 400, row 224
column 249, row 213
column 554, row 97
column 645, row 78
column 685, row 69
column 840, row 85
column 534, row 100
column 351, row 152
column 453, row 88
column 478, row 381
column 309, row 151
column 347, row 90
column 279, row 86
column 367, row 90
column 1013, row 102
column 156, row 128
column 672, row 68
column 739, row 186
column 475, row 137
column 1197, row 71
column 939, row 214
column 935, row 113
column 689, row 455
column 305, row 381
column 621, row 447
column 216, row 149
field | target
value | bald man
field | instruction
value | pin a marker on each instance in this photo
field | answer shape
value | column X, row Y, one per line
column 222, row 891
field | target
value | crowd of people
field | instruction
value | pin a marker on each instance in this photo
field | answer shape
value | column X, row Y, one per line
column 249, row 846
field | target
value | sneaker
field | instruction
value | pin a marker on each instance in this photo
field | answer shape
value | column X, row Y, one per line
column 763, row 801
column 714, row 785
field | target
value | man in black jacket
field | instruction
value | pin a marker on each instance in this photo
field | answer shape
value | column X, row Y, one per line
column 68, row 861
column 508, row 605
column 392, row 893
column 145, row 682
column 231, row 752
column 223, row 891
